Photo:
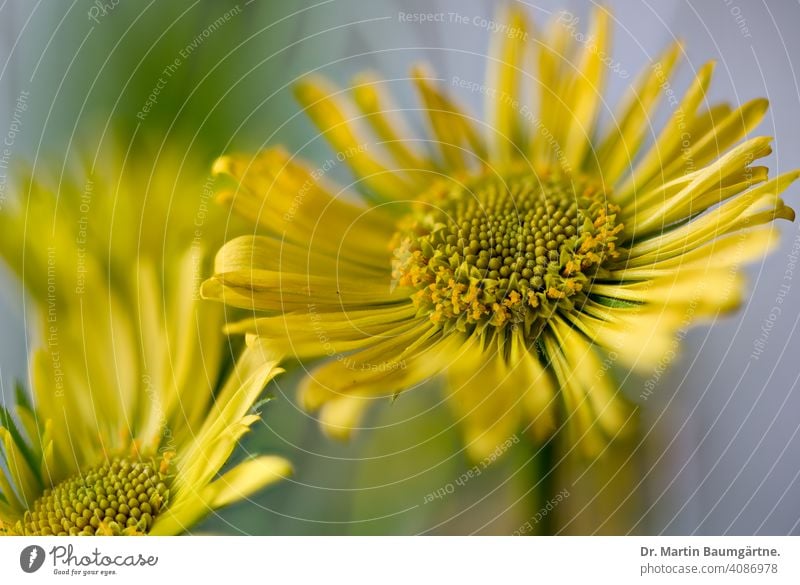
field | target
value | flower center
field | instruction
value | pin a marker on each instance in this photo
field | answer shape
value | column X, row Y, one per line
column 499, row 251
column 122, row 496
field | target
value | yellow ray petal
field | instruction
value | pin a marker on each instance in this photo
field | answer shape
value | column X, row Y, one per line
column 586, row 438
column 640, row 337
column 267, row 253
column 725, row 189
column 15, row 507
column 505, row 71
column 201, row 460
column 385, row 119
column 759, row 205
column 313, row 333
column 586, row 93
column 457, row 139
column 486, row 397
column 248, row 478
column 711, row 143
column 292, row 200
column 17, row 467
column 176, row 519
column 668, row 145
column 706, row 290
column 733, row 162
column 340, row 417
column 555, row 77
column 384, row 369
column 538, row 387
column 319, row 98
column 724, row 252
column 609, row 407
column 281, row 291
column 619, row 148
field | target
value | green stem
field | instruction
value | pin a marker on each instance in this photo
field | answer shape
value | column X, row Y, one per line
column 546, row 468
column 541, row 482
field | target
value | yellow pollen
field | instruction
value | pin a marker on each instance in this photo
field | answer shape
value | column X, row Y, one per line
column 503, row 250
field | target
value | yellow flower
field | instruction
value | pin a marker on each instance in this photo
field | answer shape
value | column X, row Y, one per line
column 129, row 426
column 523, row 259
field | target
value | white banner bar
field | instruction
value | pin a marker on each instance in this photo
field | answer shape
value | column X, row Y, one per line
column 401, row 560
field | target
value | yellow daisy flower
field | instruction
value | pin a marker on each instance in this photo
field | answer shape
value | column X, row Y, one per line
column 129, row 425
column 523, row 259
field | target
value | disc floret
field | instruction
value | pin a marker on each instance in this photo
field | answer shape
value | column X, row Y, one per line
column 504, row 250
column 124, row 495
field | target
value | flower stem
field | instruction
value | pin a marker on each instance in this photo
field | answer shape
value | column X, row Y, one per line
column 545, row 467
column 540, row 479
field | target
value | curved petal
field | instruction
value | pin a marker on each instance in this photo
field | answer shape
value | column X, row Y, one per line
column 313, row 333
column 750, row 209
column 485, row 395
column 340, row 417
column 270, row 290
column 246, row 479
column 618, row 150
column 228, row 417
column 539, row 389
column 595, row 410
column 291, row 200
column 385, row 369
column 648, row 219
column 668, row 145
column 387, row 123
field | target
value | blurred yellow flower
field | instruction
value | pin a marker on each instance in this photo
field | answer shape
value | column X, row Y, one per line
column 526, row 258
column 126, row 432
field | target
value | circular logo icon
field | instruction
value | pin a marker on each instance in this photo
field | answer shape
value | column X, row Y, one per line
column 31, row 558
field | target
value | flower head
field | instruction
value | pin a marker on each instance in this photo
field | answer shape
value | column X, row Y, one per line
column 128, row 427
column 523, row 259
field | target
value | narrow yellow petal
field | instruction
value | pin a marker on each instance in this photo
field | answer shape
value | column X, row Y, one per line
column 272, row 254
column 254, row 369
column 609, row 407
column 248, row 478
column 281, row 291
column 505, row 71
column 314, row 333
column 640, row 337
column 486, row 397
column 724, row 252
column 668, row 145
column 632, row 124
column 555, row 77
column 733, row 162
column 706, row 290
column 340, row 417
column 586, row 438
column 586, row 93
column 181, row 516
column 294, row 201
column 712, row 143
column 459, row 142
column 10, row 495
column 538, row 387
column 387, row 123
column 320, row 101
column 759, row 205
column 383, row 369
